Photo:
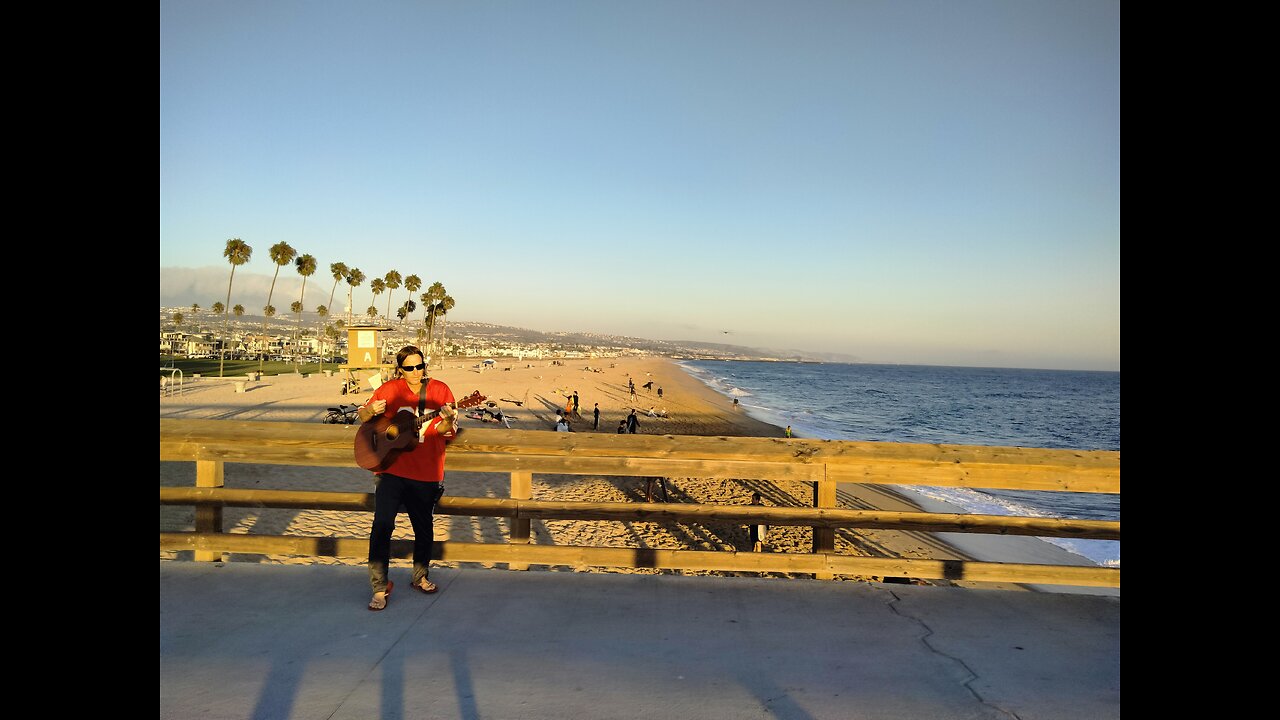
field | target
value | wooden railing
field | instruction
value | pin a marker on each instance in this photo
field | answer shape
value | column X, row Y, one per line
column 211, row 443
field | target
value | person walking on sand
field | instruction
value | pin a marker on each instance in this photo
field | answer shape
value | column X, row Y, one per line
column 659, row 392
column 596, row 426
column 622, row 427
column 633, row 422
column 758, row 532
column 414, row 476
column 788, row 431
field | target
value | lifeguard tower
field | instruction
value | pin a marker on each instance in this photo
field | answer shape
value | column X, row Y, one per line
column 364, row 355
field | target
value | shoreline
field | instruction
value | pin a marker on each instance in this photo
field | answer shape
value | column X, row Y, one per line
column 530, row 393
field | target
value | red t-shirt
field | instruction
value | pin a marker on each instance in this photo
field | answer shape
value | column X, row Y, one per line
column 425, row 461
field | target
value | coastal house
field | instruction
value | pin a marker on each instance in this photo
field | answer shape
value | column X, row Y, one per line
column 191, row 345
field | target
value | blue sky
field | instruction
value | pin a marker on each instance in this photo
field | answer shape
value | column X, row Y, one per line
column 922, row 182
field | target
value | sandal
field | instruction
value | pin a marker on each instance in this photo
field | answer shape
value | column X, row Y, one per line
column 426, row 587
column 385, row 595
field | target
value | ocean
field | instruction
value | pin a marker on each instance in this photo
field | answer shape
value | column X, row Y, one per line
column 953, row 405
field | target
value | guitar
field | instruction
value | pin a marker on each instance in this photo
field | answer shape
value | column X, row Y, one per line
column 382, row 439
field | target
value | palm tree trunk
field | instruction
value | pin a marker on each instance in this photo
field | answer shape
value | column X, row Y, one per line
column 226, row 315
column 297, row 334
column 270, row 292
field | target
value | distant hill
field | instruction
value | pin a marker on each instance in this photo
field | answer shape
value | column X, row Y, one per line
column 489, row 332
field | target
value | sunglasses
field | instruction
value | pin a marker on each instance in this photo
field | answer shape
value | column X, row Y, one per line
column 411, row 368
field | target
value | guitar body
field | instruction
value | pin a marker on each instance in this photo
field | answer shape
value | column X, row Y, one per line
column 381, row 440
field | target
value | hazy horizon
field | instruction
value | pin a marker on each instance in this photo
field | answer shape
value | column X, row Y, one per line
column 287, row 289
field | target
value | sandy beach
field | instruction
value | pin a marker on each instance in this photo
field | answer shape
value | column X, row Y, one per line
column 529, row 393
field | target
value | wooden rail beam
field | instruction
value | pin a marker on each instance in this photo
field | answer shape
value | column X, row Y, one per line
column 581, row 557
column 497, row 450
column 829, row 518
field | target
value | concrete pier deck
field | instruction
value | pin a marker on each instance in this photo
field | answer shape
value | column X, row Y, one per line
column 243, row 640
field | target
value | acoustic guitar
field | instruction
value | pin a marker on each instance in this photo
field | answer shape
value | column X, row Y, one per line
column 382, row 439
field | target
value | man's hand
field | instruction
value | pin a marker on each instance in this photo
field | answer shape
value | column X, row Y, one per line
column 372, row 410
column 448, row 421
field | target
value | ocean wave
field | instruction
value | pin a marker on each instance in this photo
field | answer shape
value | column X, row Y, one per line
column 979, row 503
column 958, row 406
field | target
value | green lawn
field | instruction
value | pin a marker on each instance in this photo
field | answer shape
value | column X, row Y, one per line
column 209, row 368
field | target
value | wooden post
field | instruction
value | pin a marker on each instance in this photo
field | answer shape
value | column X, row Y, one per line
column 208, row 517
column 824, row 539
column 521, row 489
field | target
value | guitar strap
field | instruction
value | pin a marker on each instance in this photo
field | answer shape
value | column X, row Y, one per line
column 422, row 397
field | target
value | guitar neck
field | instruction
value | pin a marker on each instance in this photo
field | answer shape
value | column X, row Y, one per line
column 474, row 398
column 427, row 416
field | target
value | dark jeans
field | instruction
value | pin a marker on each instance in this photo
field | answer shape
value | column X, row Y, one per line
column 419, row 499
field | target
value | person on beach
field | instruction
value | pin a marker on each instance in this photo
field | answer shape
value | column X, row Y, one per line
column 562, row 425
column 596, row 426
column 788, row 431
column 633, row 422
column 758, row 532
column 659, row 392
column 415, row 476
column 622, row 427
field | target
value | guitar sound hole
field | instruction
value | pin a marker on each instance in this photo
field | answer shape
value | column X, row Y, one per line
column 393, row 432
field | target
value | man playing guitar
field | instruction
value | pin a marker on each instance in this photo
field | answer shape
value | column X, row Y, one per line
column 413, row 477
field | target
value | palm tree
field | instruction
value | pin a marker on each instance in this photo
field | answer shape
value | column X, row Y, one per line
column 177, row 319
column 332, row 334
column 306, row 267
column 428, row 309
column 431, row 299
column 372, row 312
column 281, row 254
column 412, row 284
column 339, row 271
column 296, row 308
column 236, row 253
column 446, row 304
column 378, row 286
column 354, row 279
column 218, row 308
column 195, row 314
column 323, row 312
column 392, row 279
